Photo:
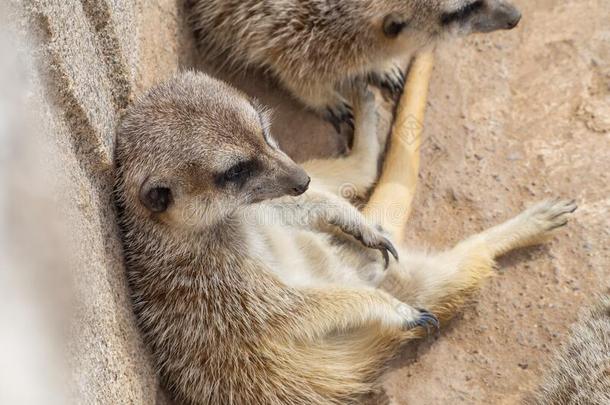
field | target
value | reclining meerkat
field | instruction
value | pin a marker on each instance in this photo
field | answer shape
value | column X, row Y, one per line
column 316, row 47
column 253, row 285
column 580, row 374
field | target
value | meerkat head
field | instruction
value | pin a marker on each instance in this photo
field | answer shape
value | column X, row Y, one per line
column 193, row 150
column 423, row 21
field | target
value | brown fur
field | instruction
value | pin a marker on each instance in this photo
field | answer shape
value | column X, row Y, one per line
column 580, row 374
column 250, row 291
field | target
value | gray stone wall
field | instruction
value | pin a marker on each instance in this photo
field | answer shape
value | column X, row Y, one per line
column 84, row 62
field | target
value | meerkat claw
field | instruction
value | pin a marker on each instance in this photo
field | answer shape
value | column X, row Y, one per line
column 333, row 119
column 386, row 248
column 343, row 113
column 381, row 243
column 390, row 247
column 393, row 80
column 386, row 258
column 427, row 319
column 559, row 225
column 551, row 214
column 570, row 208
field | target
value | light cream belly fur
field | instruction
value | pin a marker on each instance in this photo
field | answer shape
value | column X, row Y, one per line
column 302, row 258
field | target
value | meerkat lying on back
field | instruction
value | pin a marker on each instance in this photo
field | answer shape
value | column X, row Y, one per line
column 315, row 47
column 253, row 285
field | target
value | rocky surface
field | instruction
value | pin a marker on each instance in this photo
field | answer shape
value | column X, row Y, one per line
column 90, row 59
column 513, row 118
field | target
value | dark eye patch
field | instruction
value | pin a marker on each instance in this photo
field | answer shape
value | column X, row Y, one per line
column 462, row 13
column 238, row 174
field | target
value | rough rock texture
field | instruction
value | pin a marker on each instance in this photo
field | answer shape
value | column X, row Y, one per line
column 514, row 117
column 90, row 58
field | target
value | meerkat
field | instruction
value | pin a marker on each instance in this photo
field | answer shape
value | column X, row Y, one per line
column 580, row 374
column 254, row 281
column 317, row 47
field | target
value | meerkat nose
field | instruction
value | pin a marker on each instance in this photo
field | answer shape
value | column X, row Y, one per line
column 301, row 188
column 513, row 18
column 514, row 21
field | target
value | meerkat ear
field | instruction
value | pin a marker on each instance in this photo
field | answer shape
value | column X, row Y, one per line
column 155, row 196
column 393, row 24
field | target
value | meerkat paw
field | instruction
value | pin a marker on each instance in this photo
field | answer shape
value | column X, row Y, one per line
column 392, row 80
column 549, row 215
column 414, row 317
column 340, row 112
column 531, row 227
column 534, row 225
column 372, row 238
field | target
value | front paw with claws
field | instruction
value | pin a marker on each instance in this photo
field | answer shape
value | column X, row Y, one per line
column 370, row 237
column 339, row 114
column 426, row 320
column 392, row 80
column 415, row 317
column 374, row 239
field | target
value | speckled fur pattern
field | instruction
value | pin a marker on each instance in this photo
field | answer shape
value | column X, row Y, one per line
column 251, row 291
column 315, row 48
column 580, row 374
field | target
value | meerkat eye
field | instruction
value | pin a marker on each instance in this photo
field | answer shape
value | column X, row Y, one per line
column 394, row 24
column 157, row 199
column 238, row 173
column 235, row 172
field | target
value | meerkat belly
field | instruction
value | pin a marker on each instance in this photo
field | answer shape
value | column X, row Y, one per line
column 303, row 258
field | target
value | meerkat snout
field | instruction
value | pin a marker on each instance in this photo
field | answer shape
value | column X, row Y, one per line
column 301, row 186
column 287, row 178
column 462, row 17
column 512, row 16
column 495, row 15
column 482, row 16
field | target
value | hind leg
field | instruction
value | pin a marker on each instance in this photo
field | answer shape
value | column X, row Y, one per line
column 353, row 175
column 441, row 283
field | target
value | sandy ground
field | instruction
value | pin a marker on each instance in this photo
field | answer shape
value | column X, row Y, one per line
column 514, row 117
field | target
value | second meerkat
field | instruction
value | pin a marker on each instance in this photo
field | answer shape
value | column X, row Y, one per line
column 253, row 285
column 580, row 373
column 315, row 47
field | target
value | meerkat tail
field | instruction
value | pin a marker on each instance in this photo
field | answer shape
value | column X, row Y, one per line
column 390, row 203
